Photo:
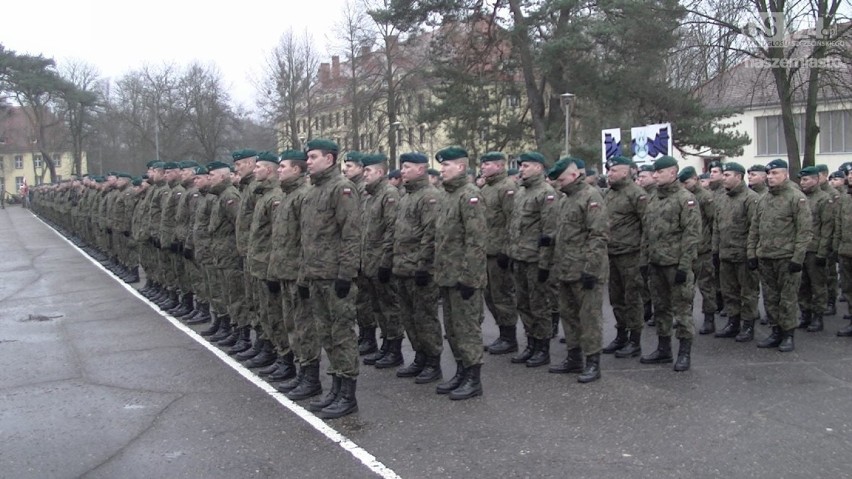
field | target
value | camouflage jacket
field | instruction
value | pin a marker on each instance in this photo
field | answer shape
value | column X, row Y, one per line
column 582, row 234
column 246, row 211
column 842, row 243
column 331, row 228
column 707, row 207
column 498, row 194
column 269, row 196
column 414, row 232
column 183, row 214
column 155, row 209
column 625, row 205
column 532, row 218
column 199, row 239
column 460, row 236
column 285, row 257
column 822, row 215
column 672, row 228
column 379, row 220
column 784, row 225
column 223, row 225
column 735, row 216
column 168, row 220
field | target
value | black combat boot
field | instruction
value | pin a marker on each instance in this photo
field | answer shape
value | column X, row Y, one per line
column 157, row 294
column 266, row 357
column 243, row 343
column 367, row 344
column 684, row 352
column 213, row 328
column 527, row 353
column 413, row 369
column 447, row 387
column 805, row 320
column 573, row 363
column 506, row 343
column 285, row 369
column 236, row 334
column 269, row 369
column 148, row 286
column 845, row 332
column 746, row 332
column 254, row 350
column 185, row 306
column 787, row 344
column 329, row 397
column 224, row 330
column 133, row 275
column 203, row 315
column 431, row 372
column 171, row 302
column 592, row 371
column 720, row 304
column 816, row 323
column 290, row 385
column 345, row 402
column 394, row 356
column 371, row 359
column 731, row 329
column 773, row 340
column 541, row 356
column 470, row 386
column 663, row 353
column 310, row 385
column 709, row 325
column 830, row 307
column 633, row 347
column 619, row 342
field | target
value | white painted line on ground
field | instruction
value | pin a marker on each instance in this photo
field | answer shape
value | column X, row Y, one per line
column 360, row 453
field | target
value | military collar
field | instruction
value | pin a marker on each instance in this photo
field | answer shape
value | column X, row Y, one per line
column 416, row 183
column 291, row 184
column 737, row 189
column 373, row 188
column 325, row 175
column 493, row 179
column 665, row 190
column 455, row 183
column 575, row 187
column 532, row 181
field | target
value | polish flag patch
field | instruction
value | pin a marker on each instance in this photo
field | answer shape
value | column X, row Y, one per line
column 593, row 204
column 550, row 198
column 473, row 201
column 230, row 202
column 347, row 191
column 510, row 193
column 690, row 203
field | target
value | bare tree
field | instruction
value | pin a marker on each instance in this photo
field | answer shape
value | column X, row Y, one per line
column 209, row 112
column 79, row 107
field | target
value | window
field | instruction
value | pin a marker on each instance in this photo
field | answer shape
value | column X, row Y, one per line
column 410, row 136
column 19, row 162
column 421, row 102
column 39, row 180
column 372, row 139
column 57, row 160
column 770, row 135
column 337, row 119
column 345, row 117
column 513, row 101
column 381, row 123
column 422, row 134
column 58, row 178
column 19, row 181
column 835, row 131
column 2, row 164
column 38, row 162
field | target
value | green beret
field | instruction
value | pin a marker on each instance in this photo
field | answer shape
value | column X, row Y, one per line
column 591, row 171
column 532, row 156
column 216, row 165
column 714, row 164
column 686, row 174
column 757, row 167
column 512, row 171
column 433, row 172
column 100, row 179
column 267, row 156
column 647, row 167
column 451, row 153
column 151, row 164
column 136, row 181
column 809, row 171
column 560, row 166
column 200, row 170
column 778, row 163
column 243, row 154
column 837, row 174
column 664, row 162
column 373, row 159
column 414, row 157
column 355, row 157
column 170, row 165
column 293, row 155
column 392, row 174
column 145, row 176
column 124, row 175
column 188, row 164
column 322, row 144
column 158, row 165
column 822, row 168
column 734, row 166
column 619, row 160
column 704, row 176
column 845, row 168
column 493, row 156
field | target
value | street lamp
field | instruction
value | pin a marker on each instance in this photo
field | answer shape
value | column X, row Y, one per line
column 567, row 100
column 395, row 142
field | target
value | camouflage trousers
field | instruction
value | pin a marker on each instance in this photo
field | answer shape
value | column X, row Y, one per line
column 672, row 302
column 706, row 280
column 365, row 307
column 418, row 310
column 582, row 316
column 812, row 289
column 625, row 291
column 461, row 322
column 245, row 310
column 383, row 306
column 845, row 263
column 335, row 322
column 831, row 283
column 227, row 291
column 740, row 289
column 299, row 325
column 500, row 294
column 270, row 315
column 148, row 260
column 165, row 261
column 532, row 302
column 780, row 292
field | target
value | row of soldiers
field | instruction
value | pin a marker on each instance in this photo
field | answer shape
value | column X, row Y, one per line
column 256, row 247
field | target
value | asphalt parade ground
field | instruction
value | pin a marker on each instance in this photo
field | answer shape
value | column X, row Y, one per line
column 96, row 382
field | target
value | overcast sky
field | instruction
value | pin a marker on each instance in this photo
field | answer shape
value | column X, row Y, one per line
column 118, row 37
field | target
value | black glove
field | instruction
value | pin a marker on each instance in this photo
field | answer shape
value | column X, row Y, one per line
column 465, row 290
column 157, row 243
column 543, row 274
column 680, row 276
column 126, row 234
column 341, row 287
column 384, row 275
column 716, row 261
column 421, row 278
column 502, row 261
column 589, row 280
column 174, row 247
column 821, row 262
column 304, row 292
column 544, row 241
column 752, row 264
column 187, row 253
column 794, row 267
column 644, row 270
column 274, row 287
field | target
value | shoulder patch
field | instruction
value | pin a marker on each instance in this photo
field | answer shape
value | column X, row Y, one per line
column 347, row 191
column 510, row 193
column 431, row 201
column 593, row 204
column 230, row 202
column 803, row 200
column 194, row 195
column 391, row 200
column 178, row 193
column 690, row 203
column 275, row 203
column 643, row 198
column 550, row 198
column 473, row 201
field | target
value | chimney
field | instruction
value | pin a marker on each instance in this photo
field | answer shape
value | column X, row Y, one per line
column 335, row 67
column 324, row 73
column 365, row 51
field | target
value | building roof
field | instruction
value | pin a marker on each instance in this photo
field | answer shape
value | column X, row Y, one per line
column 16, row 134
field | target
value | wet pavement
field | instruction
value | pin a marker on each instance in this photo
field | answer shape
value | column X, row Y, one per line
column 97, row 383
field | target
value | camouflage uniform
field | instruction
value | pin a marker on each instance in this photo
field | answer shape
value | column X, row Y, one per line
column 842, row 244
column 331, row 250
column 812, row 289
column 498, row 194
column 831, row 263
column 702, row 267
column 268, row 197
column 781, row 237
column 647, row 298
column 199, row 241
column 226, row 269
column 168, row 242
column 246, row 306
column 460, row 267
